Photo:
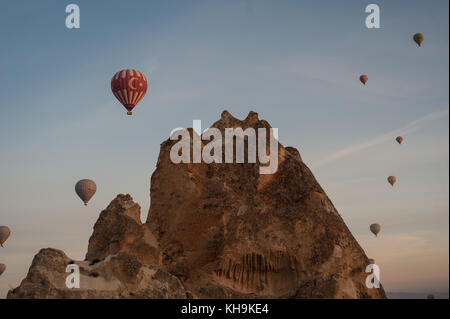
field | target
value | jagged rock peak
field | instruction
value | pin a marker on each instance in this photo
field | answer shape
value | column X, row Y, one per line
column 119, row 229
column 228, row 121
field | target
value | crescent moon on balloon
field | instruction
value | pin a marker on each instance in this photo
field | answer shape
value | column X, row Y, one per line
column 130, row 83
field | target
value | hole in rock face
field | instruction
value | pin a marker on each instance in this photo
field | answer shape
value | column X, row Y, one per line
column 95, row 261
column 271, row 274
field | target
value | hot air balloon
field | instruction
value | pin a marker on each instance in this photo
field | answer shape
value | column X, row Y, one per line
column 364, row 78
column 392, row 180
column 371, row 261
column 85, row 189
column 418, row 38
column 399, row 139
column 430, row 296
column 129, row 87
column 375, row 228
column 2, row 268
column 4, row 234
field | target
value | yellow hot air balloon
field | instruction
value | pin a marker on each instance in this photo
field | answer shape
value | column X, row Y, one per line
column 392, row 180
column 418, row 38
column 4, row 234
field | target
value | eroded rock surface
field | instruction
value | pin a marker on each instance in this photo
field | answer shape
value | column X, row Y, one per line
column 216, row 231
column 119, row 229
column 118, row 276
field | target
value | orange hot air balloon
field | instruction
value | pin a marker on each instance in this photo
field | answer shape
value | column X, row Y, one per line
column 375, row 229
column 364, row 78
column 392, row 180
column 399, row 139
column 129, row 87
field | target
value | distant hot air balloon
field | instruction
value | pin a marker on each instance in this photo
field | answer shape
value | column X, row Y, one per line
column 392, row 180
column 430, row 296
column 364, row 78
column 371, row 261
column 399, row 139
column 85, row 189
column 375, row 228
column 2, row 268
column 129, row 87
column 4, row 234
column 418, row 38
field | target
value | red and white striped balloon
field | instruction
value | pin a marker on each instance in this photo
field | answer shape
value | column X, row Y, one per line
column 129, row 87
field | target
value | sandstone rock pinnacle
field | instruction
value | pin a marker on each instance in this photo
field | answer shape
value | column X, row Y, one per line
column 215, row 231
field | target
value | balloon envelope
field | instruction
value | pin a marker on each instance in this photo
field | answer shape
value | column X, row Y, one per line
column 129, row 87
column 4, row 234
column 418, row 38
column 392, row 180
column 364, row 78
column 371, row 261
column 85, row 189
column 375, row 229
column 2, row 268
column 399, row 139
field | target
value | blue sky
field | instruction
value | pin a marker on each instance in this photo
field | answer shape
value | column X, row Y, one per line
column 296, row 63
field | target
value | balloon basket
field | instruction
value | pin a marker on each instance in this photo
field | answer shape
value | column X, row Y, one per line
column 129, row 112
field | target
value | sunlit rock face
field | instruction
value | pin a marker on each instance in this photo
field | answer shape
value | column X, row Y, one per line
column 216, row 230
column 228, row 231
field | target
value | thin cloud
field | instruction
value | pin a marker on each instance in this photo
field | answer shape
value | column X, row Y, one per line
column 410, row 127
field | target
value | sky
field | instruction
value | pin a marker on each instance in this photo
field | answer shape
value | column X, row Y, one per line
column 296, row 63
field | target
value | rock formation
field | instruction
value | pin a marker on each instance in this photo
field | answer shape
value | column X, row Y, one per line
column 215, row 231
column 114, row 265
